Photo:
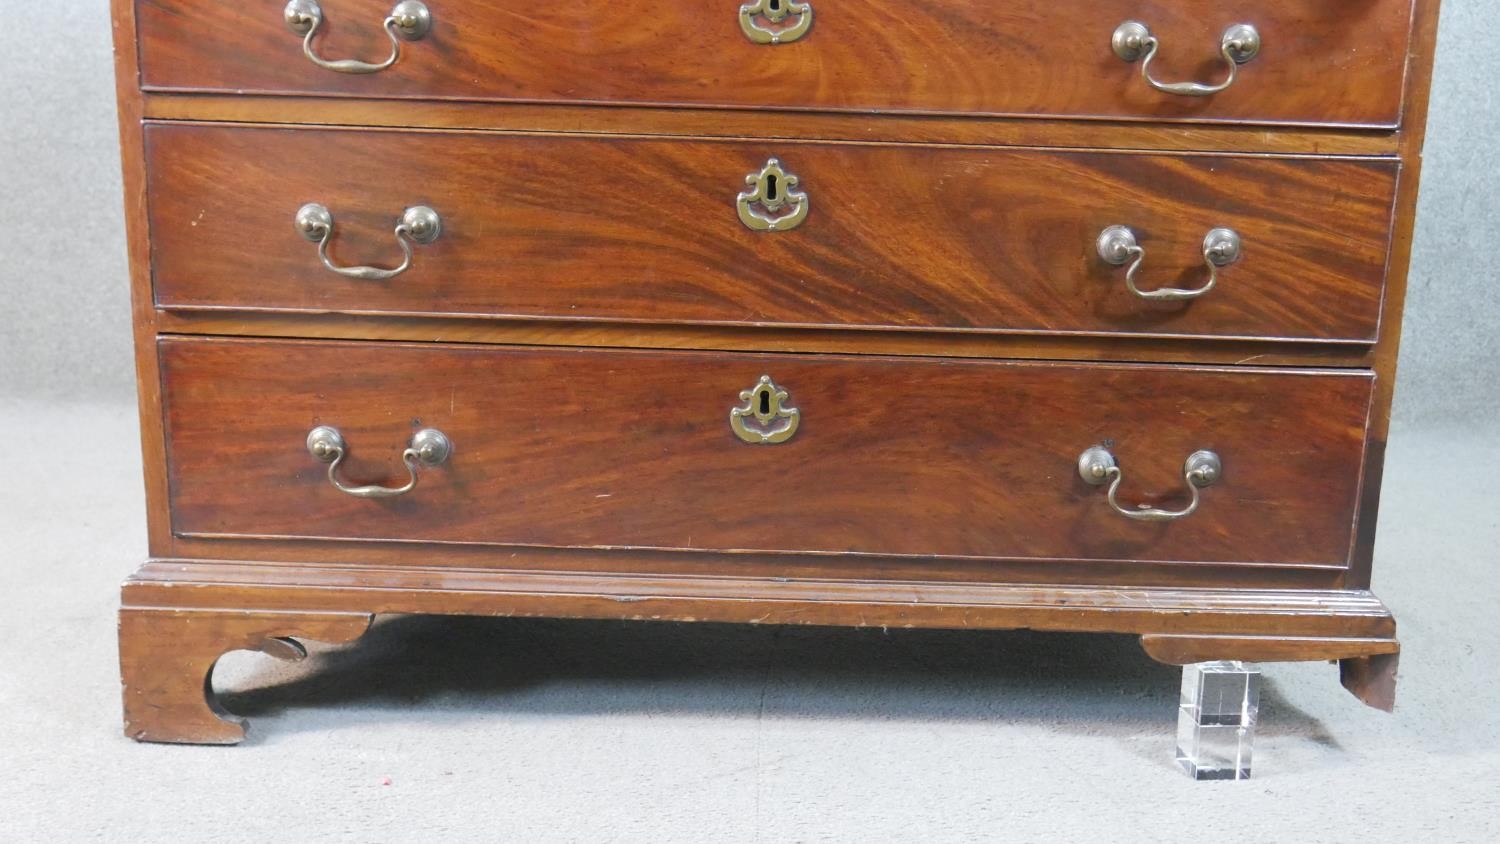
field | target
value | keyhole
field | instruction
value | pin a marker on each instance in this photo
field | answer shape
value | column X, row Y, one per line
column 765, row 402
column 770, row 187
column 774, row 6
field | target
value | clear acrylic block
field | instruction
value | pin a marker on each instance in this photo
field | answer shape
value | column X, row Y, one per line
column 1216, row 719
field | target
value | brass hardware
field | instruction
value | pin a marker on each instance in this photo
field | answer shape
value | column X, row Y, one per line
column 764, row 404
column 1118, row 244
column 419, row 224
column 1133, row 41
column 771, row 190
column 429, row 447
column 1097, row 466
column 775, row 11
column 410, row 20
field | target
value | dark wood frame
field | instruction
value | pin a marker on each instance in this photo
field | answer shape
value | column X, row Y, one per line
column 196, row 599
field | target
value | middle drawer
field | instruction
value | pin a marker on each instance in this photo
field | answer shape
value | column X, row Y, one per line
column 770, row 232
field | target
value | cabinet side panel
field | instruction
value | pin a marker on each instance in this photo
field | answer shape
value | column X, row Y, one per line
column 1412, row 135
column 133, row 176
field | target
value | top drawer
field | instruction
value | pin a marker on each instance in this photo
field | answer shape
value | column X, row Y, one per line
column 1319, row 61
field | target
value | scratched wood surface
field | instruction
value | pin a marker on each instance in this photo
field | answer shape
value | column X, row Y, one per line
column 179, row 616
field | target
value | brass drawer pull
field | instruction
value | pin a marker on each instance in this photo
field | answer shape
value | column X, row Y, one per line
column 1133, row 41
column 775, row 11
column 429, row 447
column 1097, row 466
column 409, row 21
column 1118, row 244
column 765, row 404
column 419, row 224
column 771, row 190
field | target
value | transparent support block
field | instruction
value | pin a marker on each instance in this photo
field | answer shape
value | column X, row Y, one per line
column 1216, row 719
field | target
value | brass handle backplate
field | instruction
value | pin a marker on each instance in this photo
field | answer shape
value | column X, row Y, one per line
column 428, row 447
column 1097, row 466
column 772, row 202
column 765, row 419
column 1133, row 41
column 1118, row 244
column 418, row 224
column 774, row 12
column 410, row 20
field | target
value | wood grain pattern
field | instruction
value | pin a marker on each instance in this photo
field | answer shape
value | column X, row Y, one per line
column 588, row 448
column 358, row 556
column 1372, row 678
column 748, row 123
column 138, row 256
column 1185, row 649
column 167, row 658
column 178, row 616
column 1330, row 82
column 1322, row 62
column 1413, row 134
column 624, row 229
column 1367, row 667
column 963, row 344
column 1306, row 613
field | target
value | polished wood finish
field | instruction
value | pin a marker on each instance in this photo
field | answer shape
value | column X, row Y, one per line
column 1358, row 90
column 1337, row 63
column 138, row 256
column 603, row 449
column 622, row 229
column 916, row 343
column 1413, row 133
column 746, row 123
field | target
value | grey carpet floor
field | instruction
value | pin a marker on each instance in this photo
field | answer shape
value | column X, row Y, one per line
column 517, row 730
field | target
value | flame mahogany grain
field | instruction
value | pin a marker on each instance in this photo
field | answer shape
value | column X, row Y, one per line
column 594, row 449
column 1322, row 62
column 1346, row 79
column 629, row 229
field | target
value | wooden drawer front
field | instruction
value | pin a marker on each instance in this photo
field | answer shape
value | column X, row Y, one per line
column 1320, row 61
column 579, row 227
column 891, row 456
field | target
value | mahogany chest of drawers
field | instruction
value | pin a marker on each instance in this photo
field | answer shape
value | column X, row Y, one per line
column 1060, row 315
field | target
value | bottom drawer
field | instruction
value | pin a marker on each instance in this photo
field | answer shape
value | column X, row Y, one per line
column 590, row 448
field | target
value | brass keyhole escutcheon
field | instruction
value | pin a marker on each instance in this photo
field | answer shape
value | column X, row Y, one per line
column 764, row 419
column 772, row 201
column 755, row 16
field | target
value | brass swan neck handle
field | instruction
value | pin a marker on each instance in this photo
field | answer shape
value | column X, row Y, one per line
column 418, row 224
column 1097, row 466
column 428, row 447
column 1118, row 244
column 1132, row 41
column 409, row 20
